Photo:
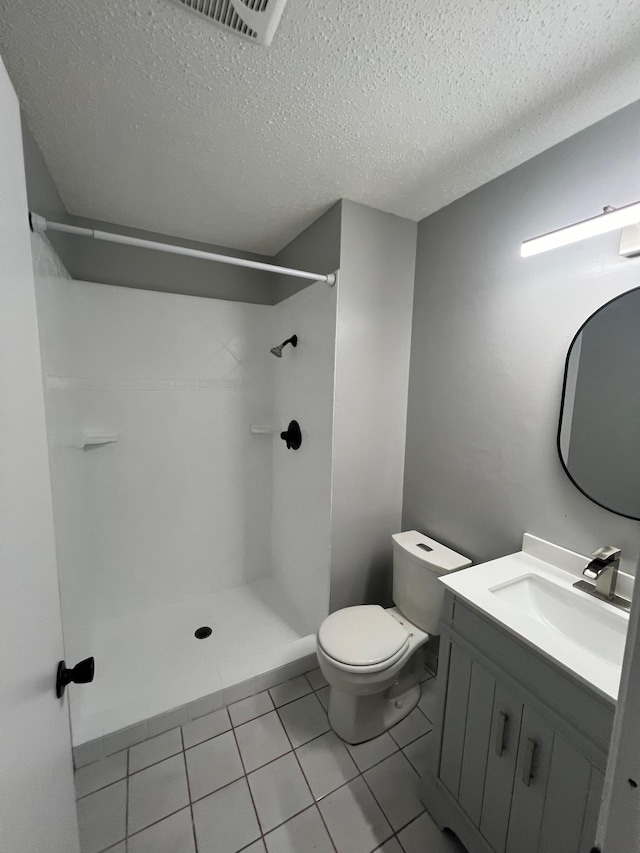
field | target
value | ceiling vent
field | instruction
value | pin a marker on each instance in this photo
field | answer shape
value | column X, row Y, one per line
column 255, row 20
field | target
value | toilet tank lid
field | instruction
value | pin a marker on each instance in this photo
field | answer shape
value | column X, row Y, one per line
column 428, row 552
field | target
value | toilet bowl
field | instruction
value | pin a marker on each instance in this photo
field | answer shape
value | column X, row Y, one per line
column 370, row 656
column 370, row 690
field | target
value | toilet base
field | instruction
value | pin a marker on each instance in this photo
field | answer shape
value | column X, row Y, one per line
column 357, row 719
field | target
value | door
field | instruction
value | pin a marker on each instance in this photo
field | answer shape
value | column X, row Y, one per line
column 37, row 808
column 572, row 801
column 477, row 740
column 501, row 767
column 530, row 785
column 455, row 718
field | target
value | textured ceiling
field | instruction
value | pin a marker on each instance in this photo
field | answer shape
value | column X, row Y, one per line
column 149, row 117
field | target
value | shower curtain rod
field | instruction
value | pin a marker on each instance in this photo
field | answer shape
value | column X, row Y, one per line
column 39, row 225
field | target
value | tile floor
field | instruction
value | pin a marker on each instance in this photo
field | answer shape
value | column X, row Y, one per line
column 266, row 775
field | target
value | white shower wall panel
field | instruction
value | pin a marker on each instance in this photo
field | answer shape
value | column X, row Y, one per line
column 180, row 506
column 70, row 507
column 303, row 390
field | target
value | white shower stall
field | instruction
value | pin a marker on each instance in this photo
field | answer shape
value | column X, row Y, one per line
column 177, row 505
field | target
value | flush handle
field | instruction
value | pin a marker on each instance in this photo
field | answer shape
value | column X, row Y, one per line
column 81, row 673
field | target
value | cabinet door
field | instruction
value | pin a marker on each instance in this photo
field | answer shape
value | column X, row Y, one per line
column 566, row 802
column 530, row 786
column 476, row 741
column 455, row 718
column 594, row 801
column 501, row 767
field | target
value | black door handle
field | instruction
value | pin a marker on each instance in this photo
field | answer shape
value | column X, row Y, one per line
column 82, row 673
column 293, row 436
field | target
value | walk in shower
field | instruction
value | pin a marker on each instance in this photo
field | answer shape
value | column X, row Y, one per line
column 177, row 505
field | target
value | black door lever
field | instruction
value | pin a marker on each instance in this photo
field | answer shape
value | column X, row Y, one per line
column 82, row 673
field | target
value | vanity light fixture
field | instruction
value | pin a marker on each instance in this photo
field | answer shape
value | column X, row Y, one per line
column 610, row 219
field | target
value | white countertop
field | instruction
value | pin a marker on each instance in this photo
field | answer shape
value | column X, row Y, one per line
column 550, row 563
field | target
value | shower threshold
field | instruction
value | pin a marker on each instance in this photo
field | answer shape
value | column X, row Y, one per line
column 150, row 663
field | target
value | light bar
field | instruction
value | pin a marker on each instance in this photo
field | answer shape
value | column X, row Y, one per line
column 610, row 220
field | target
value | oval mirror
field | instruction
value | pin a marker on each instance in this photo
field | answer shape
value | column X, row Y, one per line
column 599, row 432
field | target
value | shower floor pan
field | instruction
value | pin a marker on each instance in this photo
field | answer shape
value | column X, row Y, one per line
column 151, row 662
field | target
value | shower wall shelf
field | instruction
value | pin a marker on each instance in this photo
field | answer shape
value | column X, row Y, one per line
column 94, row 439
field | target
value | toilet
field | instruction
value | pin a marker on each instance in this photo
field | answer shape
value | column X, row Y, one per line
column 368, row 654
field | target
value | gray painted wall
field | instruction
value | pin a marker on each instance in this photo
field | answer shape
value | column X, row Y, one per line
column 375, row 296
column 490, row 336
column 316, row 249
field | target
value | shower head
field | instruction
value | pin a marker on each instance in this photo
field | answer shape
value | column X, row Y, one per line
column 277, row 351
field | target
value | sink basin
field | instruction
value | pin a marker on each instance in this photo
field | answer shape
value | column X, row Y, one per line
column 592, row 625
column 531, row 594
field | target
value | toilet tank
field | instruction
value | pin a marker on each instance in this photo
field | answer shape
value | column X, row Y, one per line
column 418, row 562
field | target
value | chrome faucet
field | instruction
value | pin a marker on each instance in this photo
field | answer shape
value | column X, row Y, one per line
column 603, row 569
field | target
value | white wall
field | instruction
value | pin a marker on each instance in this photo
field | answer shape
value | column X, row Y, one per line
column 180, row 506
column 301, row 531
column 36, row 781
column 490, row 337
column 375, row 295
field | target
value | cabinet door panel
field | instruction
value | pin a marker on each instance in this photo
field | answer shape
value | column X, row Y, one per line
column 594, row 800
column 530, row 786
column 567, row 792
column 501, row 767
column 476, row 741
column 455, row 718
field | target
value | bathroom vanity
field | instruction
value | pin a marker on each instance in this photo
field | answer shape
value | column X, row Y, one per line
column 529, row 671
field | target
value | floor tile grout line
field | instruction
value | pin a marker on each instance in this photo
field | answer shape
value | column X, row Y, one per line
column 246, row 778
column 135, row 772
column 126, row 808
column 156, row 822
column 313, row 799
column 186, row 770
column 159, row 761
column 102, row 788
column 382, row 811
column 293, row 817
column 379, row 804
column 277, row 708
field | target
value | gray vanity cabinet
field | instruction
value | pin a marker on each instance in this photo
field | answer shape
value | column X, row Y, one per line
column 520, row 747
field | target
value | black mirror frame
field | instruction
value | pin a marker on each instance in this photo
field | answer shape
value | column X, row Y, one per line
column 562, row 402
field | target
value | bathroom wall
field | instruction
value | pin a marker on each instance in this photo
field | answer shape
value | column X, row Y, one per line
column 180, row 506
column 129, row 266
column 301, row 506
column 489, row 341
column 375, row 294
column 316, row 249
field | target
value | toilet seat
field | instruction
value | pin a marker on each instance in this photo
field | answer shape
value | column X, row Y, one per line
column 364, row 638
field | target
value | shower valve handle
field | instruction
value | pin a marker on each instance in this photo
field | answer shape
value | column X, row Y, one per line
column 293, row 436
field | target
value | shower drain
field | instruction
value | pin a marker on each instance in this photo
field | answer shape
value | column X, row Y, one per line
column 203, row 633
